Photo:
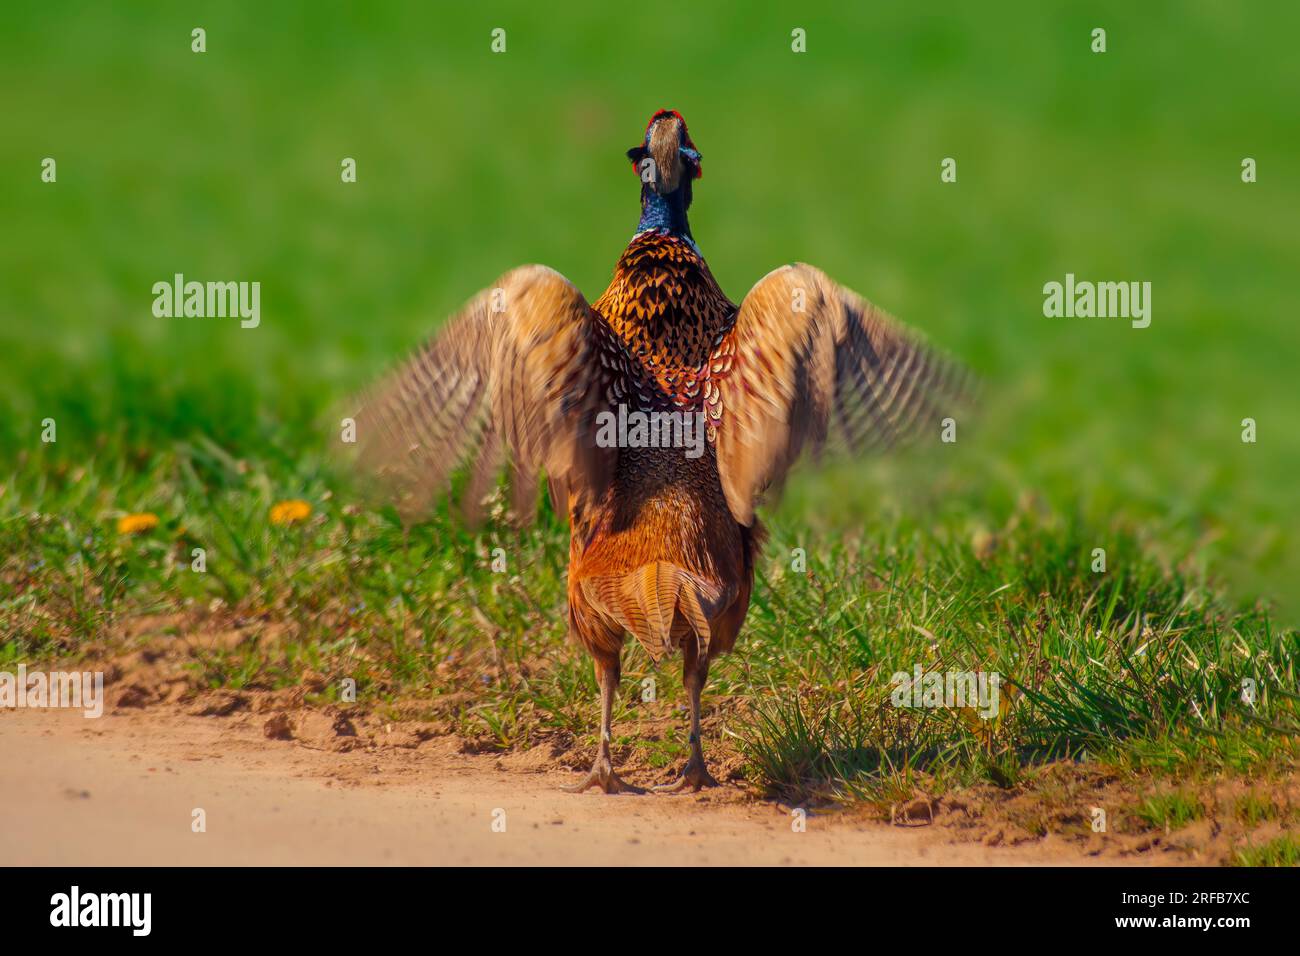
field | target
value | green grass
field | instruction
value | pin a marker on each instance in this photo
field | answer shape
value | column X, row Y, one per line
column 977, row 557
column 1253, row 809
column 1282, row 851
column 1170, row 811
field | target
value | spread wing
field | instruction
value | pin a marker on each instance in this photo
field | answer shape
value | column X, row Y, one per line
column 810, row 362
column 516, row 377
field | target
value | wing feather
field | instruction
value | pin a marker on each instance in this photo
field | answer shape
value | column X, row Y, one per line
column 515, row 378
column 814, row 364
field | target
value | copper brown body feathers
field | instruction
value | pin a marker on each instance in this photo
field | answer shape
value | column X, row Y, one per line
column 663, row 544
column 663, row 511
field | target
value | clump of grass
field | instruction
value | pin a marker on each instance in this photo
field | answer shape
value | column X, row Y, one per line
column 1280, row 851
column 1254, row 808
column 807, row 750
column 1169, row 811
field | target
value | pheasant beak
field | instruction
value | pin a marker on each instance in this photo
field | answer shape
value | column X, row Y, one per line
column 667, row 158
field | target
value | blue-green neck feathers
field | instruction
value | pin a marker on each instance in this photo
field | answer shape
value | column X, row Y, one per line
column 665, row 213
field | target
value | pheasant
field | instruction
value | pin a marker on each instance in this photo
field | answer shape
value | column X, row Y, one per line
column 663, row 543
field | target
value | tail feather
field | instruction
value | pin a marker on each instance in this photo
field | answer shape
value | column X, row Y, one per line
column 658, row 603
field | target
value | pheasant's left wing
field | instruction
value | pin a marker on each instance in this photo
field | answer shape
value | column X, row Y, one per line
column 809, row 361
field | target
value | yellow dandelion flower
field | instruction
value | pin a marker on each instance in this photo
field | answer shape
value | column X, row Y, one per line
column 290, row 512
column 137, row 523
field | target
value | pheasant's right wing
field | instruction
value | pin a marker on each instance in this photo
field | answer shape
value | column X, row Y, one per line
column 516, row 376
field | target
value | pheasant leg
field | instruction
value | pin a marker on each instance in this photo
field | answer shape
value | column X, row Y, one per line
column 602, row 770
column 696, row 774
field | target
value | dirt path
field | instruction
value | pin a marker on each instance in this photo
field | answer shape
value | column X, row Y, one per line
column 122, row 789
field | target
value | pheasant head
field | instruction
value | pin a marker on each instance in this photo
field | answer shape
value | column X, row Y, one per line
column 666, row 162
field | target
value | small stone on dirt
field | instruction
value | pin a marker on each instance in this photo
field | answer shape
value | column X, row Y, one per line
column 133, row 696
column 918, row 812
column 278, row 728
column 325, row 731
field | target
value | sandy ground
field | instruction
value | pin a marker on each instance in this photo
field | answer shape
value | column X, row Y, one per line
column 122, row 790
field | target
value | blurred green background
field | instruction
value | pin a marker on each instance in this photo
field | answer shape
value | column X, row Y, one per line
column 225, row 166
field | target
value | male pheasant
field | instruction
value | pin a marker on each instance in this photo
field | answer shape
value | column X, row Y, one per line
column 663, row 544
